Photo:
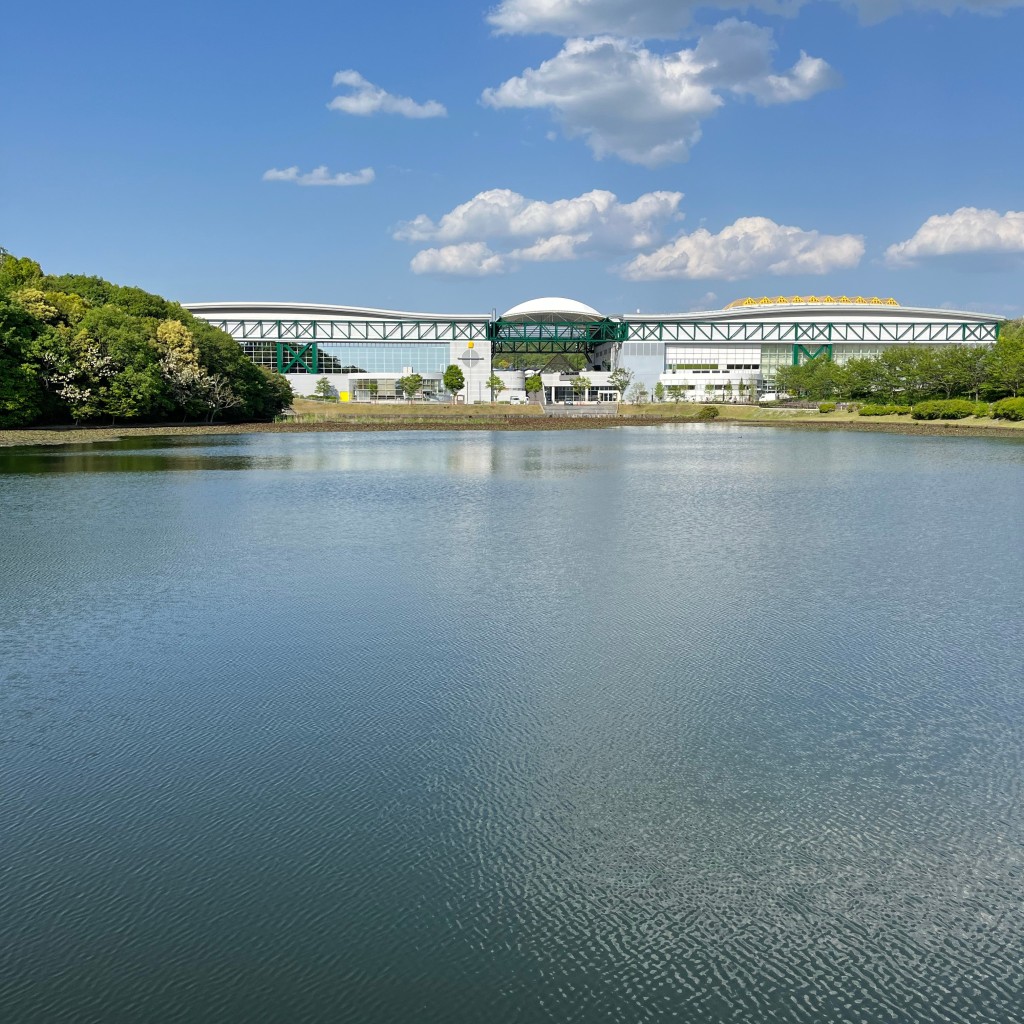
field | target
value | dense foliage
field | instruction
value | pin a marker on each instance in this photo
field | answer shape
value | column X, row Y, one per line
column 1009, row 409
column 455, row 379
column 874, row 409
column 81, row 349
column 943, row 409
column 907, row 374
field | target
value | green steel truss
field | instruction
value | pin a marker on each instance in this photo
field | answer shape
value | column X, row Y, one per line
column 805, row 353
column 297, row 358
column 297, row 340
column 714, row 331
column 354, row 330
column 511, row 338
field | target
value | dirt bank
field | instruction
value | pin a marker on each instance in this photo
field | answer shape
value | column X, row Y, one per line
column 492, row 421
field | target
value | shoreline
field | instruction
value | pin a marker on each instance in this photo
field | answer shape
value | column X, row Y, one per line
column 59, row 436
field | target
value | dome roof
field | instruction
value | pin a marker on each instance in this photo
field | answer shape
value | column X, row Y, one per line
column 551, row 310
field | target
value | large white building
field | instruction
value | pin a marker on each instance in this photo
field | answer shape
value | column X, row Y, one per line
column 725, row 354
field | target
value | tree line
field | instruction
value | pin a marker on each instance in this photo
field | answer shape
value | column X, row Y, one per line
column 80, row 349
column 907, row 374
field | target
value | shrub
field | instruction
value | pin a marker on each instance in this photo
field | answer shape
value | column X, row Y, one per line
column 903, row 410
column 981, row 409
column 872, row 409
column 708, row 412
column 949, row 409
column 827, row 407
column 1009, row 409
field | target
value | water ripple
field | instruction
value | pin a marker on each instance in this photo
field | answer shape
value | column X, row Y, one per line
column 723, row 726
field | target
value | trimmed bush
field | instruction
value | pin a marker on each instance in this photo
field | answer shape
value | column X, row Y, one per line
column 1009, row 409
column 949, row 409
column 903, row 410
column 708, row 412
column 827, row 407
column 981, row 409
column 872, row 409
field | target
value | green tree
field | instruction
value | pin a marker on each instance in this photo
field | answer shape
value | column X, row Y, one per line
column 862, row 378
column 17, row 272
column 220, row 396
column 620, row 379
column 659, row 392
column 675, row 392
column 1006, row 362
column 638, row 393
column 904, row 374
column 496, row 385
column 817, row 379
column 174, row 337
column 323, row 390
column 581, row 387
column 454, row 380
column 77, row 347
column 21, row 396
column 534, row 384
column 187, row 382
column 273, row 395
column 411, row 385
column 973, row 365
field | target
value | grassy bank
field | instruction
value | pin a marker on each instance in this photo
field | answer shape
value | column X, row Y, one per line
column 330, row 417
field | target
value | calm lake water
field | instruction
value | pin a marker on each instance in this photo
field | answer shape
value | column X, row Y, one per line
column 717, row 724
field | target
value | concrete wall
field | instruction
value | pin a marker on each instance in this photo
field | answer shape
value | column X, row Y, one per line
column 645, row 359
column 475, row 363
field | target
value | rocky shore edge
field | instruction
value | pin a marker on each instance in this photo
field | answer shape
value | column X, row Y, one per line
column 37, row 436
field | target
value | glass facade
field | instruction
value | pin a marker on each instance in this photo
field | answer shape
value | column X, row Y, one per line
column 774, row 356
column 844, row 353
column 384, row 357
column 711, row 358
column 359, row 357
column 369, row 389
column 262, row 353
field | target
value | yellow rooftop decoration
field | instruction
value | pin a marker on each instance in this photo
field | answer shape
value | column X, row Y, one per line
column 817, row 300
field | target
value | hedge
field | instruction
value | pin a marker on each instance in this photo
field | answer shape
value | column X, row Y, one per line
column 1009, row 409
column 948, row 409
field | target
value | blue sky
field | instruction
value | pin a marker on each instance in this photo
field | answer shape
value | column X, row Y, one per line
column 633, row 154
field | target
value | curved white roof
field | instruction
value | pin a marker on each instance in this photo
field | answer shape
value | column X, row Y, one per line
column 313, row 311
column 551, row 309
column 821, row 312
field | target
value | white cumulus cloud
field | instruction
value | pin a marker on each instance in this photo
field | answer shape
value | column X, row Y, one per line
column 319, row 176
column 646, row 107
column 469, row 259
column 750, row 246
column 650, row 19
column 963, row 232
column 500, row 229
column 367, row 99
column 500, row 213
